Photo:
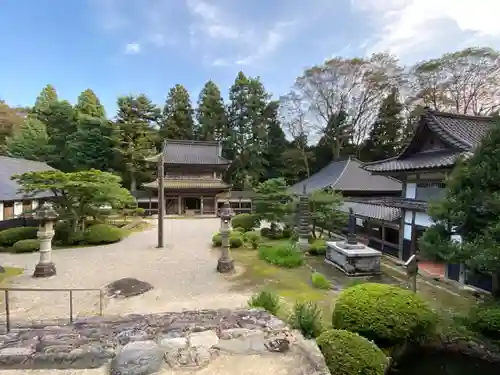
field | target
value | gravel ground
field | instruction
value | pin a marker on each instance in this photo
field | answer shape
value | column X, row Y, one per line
column 183, row 275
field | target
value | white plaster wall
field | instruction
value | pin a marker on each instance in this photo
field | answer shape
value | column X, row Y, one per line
column 1, row 211
column 421, row 219
column 407, row 232
column 411, row 190
column 34, row 204
column 18, row 208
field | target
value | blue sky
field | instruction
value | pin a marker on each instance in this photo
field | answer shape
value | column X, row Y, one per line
column 119, row 47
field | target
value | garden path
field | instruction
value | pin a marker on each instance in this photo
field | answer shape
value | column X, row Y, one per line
column 183, row 275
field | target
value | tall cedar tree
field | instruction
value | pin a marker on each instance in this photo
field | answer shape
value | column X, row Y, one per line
column 136, row 118
column 29, row 141
column 276, row 144
column 47, row 96
column 384, row 140
column 331, row 144
column 89, row 104
column 177, row 115
column 471, row 208
column 211, row 114
column 247, row 111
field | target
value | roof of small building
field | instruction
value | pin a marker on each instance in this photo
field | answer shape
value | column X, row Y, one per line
column 372, row 210
column 11, row 166
column 186, row 183
column 192, row 152
column 461, row 133
column 347, row 175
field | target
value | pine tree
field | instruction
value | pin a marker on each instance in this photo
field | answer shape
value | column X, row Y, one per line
column 89, row 104
column 29, row 141
column 177, row 115
column 385, row 137
column 136, row 119
column 47, row 96
column 211, row 114
column 276, row 144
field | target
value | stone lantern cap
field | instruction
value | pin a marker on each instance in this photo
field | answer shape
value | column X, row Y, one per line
column 226, row 212
column 45, row 213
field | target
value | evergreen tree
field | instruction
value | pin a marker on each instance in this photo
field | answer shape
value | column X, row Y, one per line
column 177, row 115
column 331, row 144
column 276, row 144
column 29, row 141
column 471, row 208
column 211, row 114
column 47, row 96
column 136, row 119
column 10, row 121
column 89, row 104
column 94, row 144
column 385, row 137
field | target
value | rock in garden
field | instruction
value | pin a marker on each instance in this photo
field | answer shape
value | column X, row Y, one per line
column 128, row 287
column 137, row 358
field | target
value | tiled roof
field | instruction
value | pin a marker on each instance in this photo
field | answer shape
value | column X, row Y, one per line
column 462, row 133
column 347, row 175
column 193, row 152
column 11, row 166
column 189, row 184
column 236, row 194
column 372, row 211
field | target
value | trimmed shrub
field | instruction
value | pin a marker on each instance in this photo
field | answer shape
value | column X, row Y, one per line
column 216, row 240
column 283, row 255
column 26, row 246
column 253, row 238
column 265, row 232
column 102, row 234
column 386, row 314
column 320, row 281
column 266, row 300
column 485, row 319
column 348, row 353
column 307, row 318
column 240, row 230
column 287, row 231
column 246, row 221
column 318, row 247
column 235, row 240
column 9, row 237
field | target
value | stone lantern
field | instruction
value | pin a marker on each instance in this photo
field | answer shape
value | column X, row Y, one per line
column 225, row 263
column 47, row 217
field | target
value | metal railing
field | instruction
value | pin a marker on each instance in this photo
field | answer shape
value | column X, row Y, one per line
column 67, row 290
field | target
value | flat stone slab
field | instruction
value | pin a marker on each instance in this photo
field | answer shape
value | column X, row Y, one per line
column 158, row 343
column 127, row 287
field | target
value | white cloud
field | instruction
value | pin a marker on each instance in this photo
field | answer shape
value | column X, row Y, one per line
column 413, row 28
column 133, row 48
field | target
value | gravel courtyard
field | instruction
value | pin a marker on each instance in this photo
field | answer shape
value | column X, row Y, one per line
column 183, row 275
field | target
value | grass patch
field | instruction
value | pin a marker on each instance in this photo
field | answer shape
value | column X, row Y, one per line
column 9, row 272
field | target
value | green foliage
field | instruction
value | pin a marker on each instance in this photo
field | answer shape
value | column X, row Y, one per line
column 26, row 246
column 383, row 313
column 29, row 141
column 211, row 114
column 88, row 104
column 283, row 255
column 273, row 201
column 323, row 205
column 216, row 240
column 307, row 318
column 235, row 240
column 485, row 319
column 79, row 194
column 8, row 237
column 240, row 230
column 265, row 232
column 177, row 115
column 317, row 247
column 47, row 96
column 266, row 300
column 246, row 221
column 436, row 244
column 348, row 353
column 320, row 281
column 253, row 238
column 287, row 231
column 103, row 234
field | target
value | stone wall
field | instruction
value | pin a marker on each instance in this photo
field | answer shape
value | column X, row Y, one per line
column 144, row 344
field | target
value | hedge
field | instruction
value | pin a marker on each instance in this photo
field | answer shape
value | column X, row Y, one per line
column 9, row 237
column 102, row 234
column 383, row 313
column 235, row 240
column 318, row 247
column 348, row 353
column 485, row 318
column 245, row 221
column 26, row 246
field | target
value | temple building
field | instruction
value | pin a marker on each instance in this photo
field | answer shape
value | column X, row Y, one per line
column 439, row 140
column 192, row 179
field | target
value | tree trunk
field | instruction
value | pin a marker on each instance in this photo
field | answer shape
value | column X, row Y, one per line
column 133, row 182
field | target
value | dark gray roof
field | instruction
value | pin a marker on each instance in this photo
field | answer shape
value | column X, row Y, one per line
column 11, row 166
column 193, row 152
column 236, row 194
column 372, row 211
column 460, row 132
column 347, row 175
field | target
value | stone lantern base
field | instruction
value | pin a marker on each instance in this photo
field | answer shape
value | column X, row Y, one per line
column 45, row 270
column 225, row 265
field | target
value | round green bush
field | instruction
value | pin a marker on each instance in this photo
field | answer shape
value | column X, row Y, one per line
column 283, row 255
column 102, row 234
column 287, row 231
column 9, row 237
column 485, row 318
column 217, row 240
column 26, row 246
column 318, row 247
column 383, row 313
column 246, row 221
column 265, row 232
column 235, row 240
column 348, row 353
